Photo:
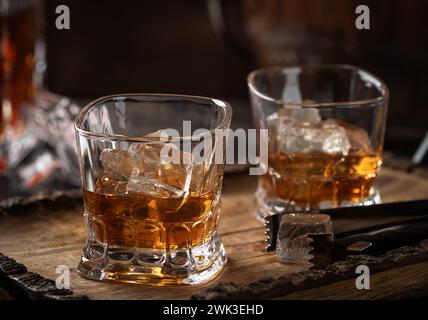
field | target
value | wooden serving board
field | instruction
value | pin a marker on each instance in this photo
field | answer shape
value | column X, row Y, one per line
column 48, row 232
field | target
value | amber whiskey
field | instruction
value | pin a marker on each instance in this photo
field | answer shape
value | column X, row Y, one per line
column 151, row 222
column 317, row 179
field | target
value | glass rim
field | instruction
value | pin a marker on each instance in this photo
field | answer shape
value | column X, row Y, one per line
column 383, row 88
column 81, row 117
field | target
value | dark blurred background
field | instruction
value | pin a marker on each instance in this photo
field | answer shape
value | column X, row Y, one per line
column 208, row 47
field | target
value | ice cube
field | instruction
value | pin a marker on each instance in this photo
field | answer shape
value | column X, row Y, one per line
column 166, row 179
column 145, row 185
column 117, row 161
column 295, row 250
column 293, row 240
column 287, row 116
column 146, row 154
column 301, row 130
column 142, row 169
column 110, row 182
column 153, row 174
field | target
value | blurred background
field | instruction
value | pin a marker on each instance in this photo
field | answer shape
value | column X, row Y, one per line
column 207, row 48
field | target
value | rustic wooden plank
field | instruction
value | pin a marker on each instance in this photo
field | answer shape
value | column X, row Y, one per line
column 43, row 239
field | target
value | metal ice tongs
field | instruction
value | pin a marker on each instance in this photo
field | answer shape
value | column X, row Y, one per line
column 411, row 228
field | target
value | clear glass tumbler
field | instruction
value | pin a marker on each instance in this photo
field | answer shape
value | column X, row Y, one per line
column 151, row 219
column 326, row 130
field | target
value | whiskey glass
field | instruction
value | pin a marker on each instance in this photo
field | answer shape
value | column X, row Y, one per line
column 149, row 220
column 326, row 130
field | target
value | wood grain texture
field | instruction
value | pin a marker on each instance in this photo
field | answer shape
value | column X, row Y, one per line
column 44, row 239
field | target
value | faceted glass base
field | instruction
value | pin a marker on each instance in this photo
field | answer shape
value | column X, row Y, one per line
column 195, row 265
column 267, row 207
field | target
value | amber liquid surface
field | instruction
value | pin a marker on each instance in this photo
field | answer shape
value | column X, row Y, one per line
column 310, row 180
column 135, row 220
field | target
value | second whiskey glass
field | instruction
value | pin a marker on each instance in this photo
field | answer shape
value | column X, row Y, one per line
column 326, row 130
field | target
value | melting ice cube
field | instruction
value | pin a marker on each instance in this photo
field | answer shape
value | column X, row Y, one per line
column 154, row 187
column 111, row 183
column 144, row 169
column 153, row 174
column 327, row 137
column 117, row 161
column 302, row 130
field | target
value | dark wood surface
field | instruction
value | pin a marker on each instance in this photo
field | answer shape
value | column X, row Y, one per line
column 49, row 232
